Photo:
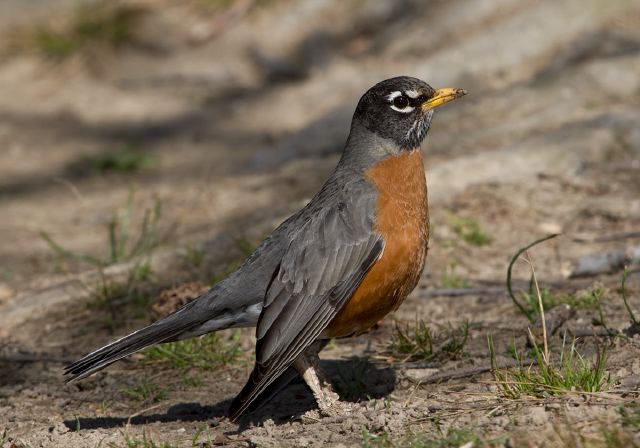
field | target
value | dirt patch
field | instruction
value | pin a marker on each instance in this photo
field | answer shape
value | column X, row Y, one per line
column 234, row 131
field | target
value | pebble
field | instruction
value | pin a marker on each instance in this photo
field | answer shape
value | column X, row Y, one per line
column 538, row 415
column 419, row 374
column 550, row 227
column 631, row 382
column 6, row 293
column 622, row 373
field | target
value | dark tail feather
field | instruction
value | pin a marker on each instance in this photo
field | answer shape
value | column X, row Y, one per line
column 242, row 404
column 164, row 330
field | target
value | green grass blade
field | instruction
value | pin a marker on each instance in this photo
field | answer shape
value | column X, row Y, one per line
column 522, row 309
column 65, row 253
column 623, row 292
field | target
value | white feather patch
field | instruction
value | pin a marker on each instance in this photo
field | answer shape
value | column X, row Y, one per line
column 393, row 95
column 411, row 93
column 406, row 110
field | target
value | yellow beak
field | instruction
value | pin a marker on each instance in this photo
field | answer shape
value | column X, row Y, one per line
column 441, row 97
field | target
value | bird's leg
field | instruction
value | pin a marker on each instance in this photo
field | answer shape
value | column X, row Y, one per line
column 307, row 366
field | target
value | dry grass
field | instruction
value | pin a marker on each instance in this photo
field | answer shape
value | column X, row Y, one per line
column 469, row 231
column 93, row 26
column 420, row 342
column 208, row 352
column 569, row 371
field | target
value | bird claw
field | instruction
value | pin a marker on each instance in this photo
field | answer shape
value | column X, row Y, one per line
column 335, row 409
column 329, row 404
column 331, row 408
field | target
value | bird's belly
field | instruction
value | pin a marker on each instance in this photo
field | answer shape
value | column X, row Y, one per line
column 382, row 291
column 403, row 221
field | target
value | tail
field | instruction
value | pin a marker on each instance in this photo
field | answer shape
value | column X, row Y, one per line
column 168, row 329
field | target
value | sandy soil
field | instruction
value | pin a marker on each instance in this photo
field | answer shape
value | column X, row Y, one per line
column 241, row 116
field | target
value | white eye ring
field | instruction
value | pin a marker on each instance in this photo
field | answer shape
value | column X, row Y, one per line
column 406, row 110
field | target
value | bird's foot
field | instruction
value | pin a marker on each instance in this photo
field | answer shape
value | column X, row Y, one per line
column 329, row 404
column 330, row 411
column 337, row 409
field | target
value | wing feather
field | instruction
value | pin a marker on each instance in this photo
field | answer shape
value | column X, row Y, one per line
column 325, row 263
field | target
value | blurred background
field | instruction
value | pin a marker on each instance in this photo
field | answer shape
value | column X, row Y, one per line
column 232, row 112
column 184, row 131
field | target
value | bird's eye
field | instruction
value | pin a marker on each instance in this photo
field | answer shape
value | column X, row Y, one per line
column 400, row 102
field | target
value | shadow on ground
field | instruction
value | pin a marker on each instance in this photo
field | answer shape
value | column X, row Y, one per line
column 355, row 380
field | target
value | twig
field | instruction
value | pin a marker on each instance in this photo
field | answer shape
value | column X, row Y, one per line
column 606, row 238
column 221, row 22
column 586, row 333
column 470, row 371
column 142, row 411
column 458, row 292
column 74, row 190
column 574, row 284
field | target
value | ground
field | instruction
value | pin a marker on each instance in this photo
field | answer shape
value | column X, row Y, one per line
column 217, row 119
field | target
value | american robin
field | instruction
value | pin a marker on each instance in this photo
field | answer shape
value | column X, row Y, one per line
column 334, row 268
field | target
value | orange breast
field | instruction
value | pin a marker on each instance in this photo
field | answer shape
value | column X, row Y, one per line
column 403, row 221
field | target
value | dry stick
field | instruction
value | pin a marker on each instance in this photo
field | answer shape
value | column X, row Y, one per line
column 457, row 292
column 143, row 411
column 470, row 371
column 606, row 238
column 583, row 332
column 573, row 283
column 222, row 21
column 74, row 190
column 576, row 283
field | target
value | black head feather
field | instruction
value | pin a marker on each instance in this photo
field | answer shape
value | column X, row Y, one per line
column 392, row 110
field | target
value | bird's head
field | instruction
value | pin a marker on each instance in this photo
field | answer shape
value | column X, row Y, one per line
column 400, row 109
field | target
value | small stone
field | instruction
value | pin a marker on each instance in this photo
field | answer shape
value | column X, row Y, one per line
column 622, row 373
column 631, row 382
column 59, row 428
column 6, row 292
column 417, row 375
column 635, row 367
column 538, row 415
column 550, row 227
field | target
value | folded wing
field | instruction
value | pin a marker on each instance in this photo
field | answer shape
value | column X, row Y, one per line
column 325, row 263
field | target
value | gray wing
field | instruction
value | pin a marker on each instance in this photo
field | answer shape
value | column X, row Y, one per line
column 324, row 264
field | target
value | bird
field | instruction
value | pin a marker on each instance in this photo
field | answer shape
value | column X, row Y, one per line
column 333, row 269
